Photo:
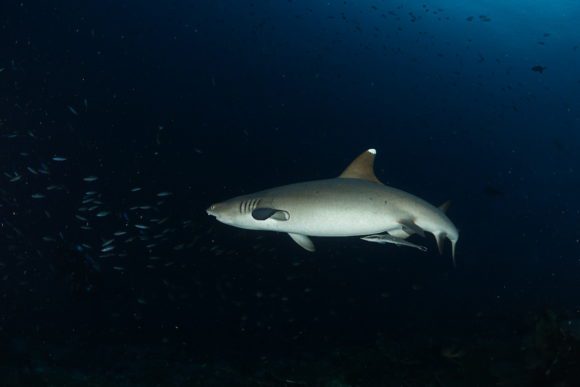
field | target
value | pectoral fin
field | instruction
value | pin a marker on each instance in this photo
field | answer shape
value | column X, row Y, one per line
column 270, row 213
column 303, row 241
column 411, row 228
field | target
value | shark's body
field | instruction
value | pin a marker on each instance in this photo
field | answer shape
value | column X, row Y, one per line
column 353, row 204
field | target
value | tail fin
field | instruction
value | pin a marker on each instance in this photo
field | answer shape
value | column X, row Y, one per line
column 453, row 244
column 440, row 238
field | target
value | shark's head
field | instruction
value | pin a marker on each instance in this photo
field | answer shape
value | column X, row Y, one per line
column 226, row 212
column 237, row 212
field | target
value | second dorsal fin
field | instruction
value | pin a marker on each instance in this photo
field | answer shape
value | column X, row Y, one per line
column 362, row 167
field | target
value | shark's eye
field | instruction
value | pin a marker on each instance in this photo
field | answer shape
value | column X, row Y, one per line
column 212, row 207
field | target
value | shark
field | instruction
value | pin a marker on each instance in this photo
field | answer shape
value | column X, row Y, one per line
column 354, row 204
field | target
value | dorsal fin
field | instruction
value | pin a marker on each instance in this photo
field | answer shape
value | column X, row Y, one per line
column 362, row 167
column 445, row 206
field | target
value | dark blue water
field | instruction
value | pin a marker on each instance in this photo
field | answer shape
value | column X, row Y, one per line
column 194, row 102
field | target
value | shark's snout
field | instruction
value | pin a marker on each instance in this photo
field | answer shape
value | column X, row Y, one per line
column 225, row 212
column 211, row 210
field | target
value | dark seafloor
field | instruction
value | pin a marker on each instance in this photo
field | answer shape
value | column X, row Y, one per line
column 121, row 121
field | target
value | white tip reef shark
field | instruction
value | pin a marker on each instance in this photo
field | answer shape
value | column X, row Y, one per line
column 355, row 203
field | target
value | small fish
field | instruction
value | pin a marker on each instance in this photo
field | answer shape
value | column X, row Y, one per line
column 73, row 110
column 91, row 193
column 452, row 353
column 37, row 196
column 141, row 227
column 539, row 69
column 107, row 243
column 15, row 178
column 32, row 170
column 119, row 268
column 164, row 194
column 87, row 228
column 120, row 233
column 92, row 263
column 81, row 218
column 136, row 189
column 58, row 158
column 107, row 249
column 48, row 239
column 90, row 179
column 103, row 214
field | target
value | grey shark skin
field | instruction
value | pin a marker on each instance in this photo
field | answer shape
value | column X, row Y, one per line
column 354, row 204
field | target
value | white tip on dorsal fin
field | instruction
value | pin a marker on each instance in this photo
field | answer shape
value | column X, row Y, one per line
column 362, row 167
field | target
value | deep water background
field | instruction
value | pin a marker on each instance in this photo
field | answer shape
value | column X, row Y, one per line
column 211, row 99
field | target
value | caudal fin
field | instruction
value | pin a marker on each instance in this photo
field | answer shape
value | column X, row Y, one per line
column 453, row 244
column 440, row 238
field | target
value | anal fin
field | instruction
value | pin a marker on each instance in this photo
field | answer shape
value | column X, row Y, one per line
column 303, row 241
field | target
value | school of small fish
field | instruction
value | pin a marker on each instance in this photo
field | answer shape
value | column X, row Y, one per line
column 35, row 190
